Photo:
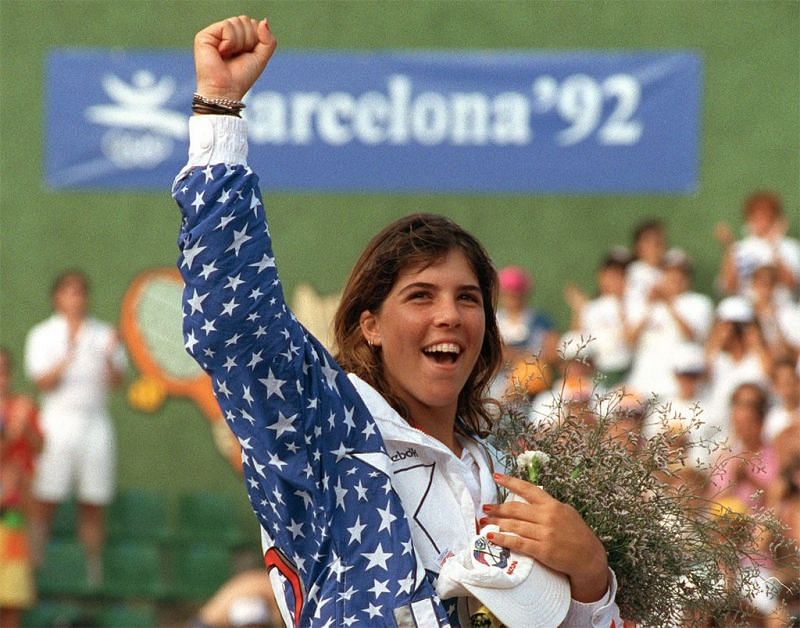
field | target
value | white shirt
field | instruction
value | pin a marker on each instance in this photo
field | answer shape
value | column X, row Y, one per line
column 602, row 319
column 83, row 388
column 639, row 280
column 752, row 252
column 788, row 318
column 725, row 375
column 653, row 356
column 777, row 420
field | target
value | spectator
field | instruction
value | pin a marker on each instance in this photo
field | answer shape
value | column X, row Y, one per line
column 690, row 401
column 74, row 359
column 786, row 503
column 20, row 441
column 525, row 330
column 671, row 315
column 754, row 468
column 777, row 316
column 765, row 242
column 649, row 246
column 786, row 412
column 689, row 371
column 735, row 354
column 529, row 337
column 603, row 318
column 576, row 392
column 627, row 426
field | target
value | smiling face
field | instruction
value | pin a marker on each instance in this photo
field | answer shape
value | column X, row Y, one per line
column 372, row 306
column 430, row 330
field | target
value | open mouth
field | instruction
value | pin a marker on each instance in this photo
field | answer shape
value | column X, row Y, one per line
column 443, row 352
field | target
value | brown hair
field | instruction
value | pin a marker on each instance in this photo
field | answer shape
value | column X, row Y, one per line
column 760, row 405
column 418, row 240
column 68, row 276
column 647, row 226
column 763, row 197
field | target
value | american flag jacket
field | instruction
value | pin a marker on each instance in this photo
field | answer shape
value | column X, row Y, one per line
column 328, row 464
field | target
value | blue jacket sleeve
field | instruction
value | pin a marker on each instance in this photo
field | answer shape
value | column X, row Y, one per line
column 314, row 463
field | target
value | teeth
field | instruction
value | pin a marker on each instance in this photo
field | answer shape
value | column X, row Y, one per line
column 443, row 347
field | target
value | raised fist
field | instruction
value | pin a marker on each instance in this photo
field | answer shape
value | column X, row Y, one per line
column 230, row 55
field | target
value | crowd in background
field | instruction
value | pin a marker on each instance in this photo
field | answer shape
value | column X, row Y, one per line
column 724, row 365
column 733, row 355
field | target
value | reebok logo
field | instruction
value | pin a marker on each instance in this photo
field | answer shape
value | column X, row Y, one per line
column 402, row 455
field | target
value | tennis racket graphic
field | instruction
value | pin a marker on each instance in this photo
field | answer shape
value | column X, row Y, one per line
column 150, row 324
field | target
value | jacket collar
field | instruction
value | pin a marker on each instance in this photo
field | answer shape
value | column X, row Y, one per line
column 393, row 427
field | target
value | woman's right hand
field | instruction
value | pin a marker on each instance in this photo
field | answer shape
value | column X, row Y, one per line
column 230, row 55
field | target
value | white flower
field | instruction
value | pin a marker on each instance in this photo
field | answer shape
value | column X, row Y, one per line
column 528, row 458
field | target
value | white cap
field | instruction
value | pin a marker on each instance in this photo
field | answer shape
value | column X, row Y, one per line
column 519, row 591
column 735, row 310
column 689, row 358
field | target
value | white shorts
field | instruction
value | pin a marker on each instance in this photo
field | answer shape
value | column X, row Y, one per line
column 79, row 455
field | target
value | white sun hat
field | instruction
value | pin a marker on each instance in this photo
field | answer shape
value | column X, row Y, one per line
column 520, row 592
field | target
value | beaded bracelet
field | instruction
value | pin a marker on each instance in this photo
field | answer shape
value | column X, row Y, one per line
column 216, row 106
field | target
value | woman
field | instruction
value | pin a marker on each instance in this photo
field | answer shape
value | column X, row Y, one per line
column 735, row 354
column 360, row 482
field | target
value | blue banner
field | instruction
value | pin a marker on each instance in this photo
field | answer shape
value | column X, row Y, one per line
column 517, row 122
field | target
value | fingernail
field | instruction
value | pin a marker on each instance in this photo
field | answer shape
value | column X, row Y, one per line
column 487, row 507
column 483, row 521
column 490, row 536
column 497, row 476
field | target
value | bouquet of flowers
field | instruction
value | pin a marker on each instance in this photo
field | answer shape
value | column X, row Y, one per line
column 680, row 556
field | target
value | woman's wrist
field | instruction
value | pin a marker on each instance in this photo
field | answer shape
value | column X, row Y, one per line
column 590, row 585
